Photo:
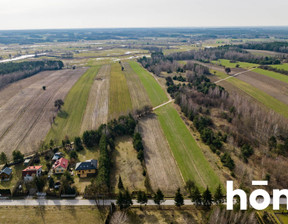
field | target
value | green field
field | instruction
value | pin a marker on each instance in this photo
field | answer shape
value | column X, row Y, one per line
column 189, row 156
column 282, row 66
column 227, row 63
column 119, row 97
column 69, row 121
column 156, row 94
column 271, row 74
column 257, row 94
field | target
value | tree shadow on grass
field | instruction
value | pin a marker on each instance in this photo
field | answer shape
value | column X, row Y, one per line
column 63, row 114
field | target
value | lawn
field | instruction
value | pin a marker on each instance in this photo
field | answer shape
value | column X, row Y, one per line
column 51, row 214
column 16, row 176
column 274, row 75
column 257, row 94
column 227, row 63
column 68, row 123
column 189, row 156
column 156, row 94
column 119, row 96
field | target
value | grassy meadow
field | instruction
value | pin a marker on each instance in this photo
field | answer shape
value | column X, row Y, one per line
column 271, row 74
column 189, row 156
column 68, row 121
column 156, row 94
column 119, row 96
column 227, row 63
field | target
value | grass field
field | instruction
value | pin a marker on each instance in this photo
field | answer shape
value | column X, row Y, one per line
column 119, row 96
column 227, row 63
column 75, row 105
column 51, row 214
column 156, row 94
column 274, row 75
column 257, row 94
column 282, row 66
column 126, row 164
column 188, row 155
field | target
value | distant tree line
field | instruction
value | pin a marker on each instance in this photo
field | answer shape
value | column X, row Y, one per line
column 12, row 72
column 270, row 68
column 276, row 46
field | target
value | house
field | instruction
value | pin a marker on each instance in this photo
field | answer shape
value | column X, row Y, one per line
column 60, row 166
column 5, row 174
column 57, row 156
column 87, row 168
column 30, row 172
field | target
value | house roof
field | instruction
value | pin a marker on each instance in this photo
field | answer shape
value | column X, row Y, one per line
column 32, row 168
column 62, row 162
column 57, row 156
column 6, row 170
column 87, row 165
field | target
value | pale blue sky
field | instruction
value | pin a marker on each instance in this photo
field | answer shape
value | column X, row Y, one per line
column 41, row 14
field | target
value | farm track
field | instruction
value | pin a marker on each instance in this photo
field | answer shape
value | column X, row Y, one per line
column 161, row 166
column 27, row 115
column 97, row 107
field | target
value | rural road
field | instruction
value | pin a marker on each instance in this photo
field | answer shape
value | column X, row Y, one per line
column 239, row 73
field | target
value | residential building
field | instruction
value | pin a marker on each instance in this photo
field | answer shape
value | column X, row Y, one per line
column 87, row 168
column 5, row 174
column 30, row 172
column 60, row 166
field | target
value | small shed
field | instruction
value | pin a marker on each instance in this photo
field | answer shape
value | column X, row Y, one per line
column 26, row 162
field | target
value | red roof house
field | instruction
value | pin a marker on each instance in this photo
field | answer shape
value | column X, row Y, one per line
column 60, row 165
column 31, row 171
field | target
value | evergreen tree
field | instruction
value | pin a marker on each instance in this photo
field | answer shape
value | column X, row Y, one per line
column 179, row 200
column 51, row 183
column 120, row 183
column 142, row 197
column 196, row 196
column 158, row 197
column 207, row 197
column 218, row 196
column 3, row 158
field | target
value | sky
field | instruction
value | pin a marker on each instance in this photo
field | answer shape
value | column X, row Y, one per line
column 49, row 14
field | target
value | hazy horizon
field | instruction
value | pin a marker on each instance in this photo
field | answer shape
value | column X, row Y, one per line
column 73, row 14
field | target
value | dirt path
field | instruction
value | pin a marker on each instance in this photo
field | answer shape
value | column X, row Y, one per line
column 161, row 166
column 238, row 73
column 26, row 116
column 97, row 107
column 163, row 104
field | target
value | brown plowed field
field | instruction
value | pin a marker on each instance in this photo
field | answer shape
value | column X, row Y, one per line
column 273, row 87
column 97, row 107
column 161, row 166
column 26, row 114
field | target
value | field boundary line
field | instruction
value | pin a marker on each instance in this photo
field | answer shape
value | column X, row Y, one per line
column 239, row 73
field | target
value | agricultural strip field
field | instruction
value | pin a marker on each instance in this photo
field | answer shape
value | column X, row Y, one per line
column 257, row 94
column 97, row 107
column 161, row 166
column 156, row 94
column 119, row 96
column 51, row 214
column 282, row 66
column 227, row 63
column 274, row 75
column 137, row 91
column 68, row 122
column 27, row 115
column 189, row 156
column 126, row 164
column 271, row 86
